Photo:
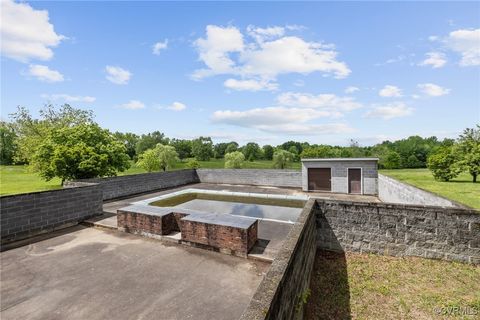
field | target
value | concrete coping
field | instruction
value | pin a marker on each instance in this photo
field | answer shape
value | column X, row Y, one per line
column 148, row 210
column 221, row 219
column 222, row 192
column 192, row 215
column 338, row 159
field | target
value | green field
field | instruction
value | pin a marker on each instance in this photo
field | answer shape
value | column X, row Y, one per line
column 19, row 179
column 368, row 286
column 460, row 189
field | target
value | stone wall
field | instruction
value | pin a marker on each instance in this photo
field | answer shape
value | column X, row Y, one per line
column 399, row 230
column 123, row 186
column 30, row 214
column 281, row 294
column 256, row 177
column 339, row 171
column 391, row 190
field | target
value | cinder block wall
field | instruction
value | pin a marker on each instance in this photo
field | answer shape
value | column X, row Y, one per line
column 391, row 190
column 122, row 186
column 279, row 295
column 340, row 174
column 256, row 177
column 399, row 230
column 29, row 214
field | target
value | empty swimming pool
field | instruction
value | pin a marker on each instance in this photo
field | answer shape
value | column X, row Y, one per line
column 271, row 208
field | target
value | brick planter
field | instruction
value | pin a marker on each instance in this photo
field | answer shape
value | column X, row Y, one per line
column 141, row 219
column 226, row 233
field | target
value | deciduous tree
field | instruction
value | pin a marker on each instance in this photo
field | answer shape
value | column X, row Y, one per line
column 234, row 160
column 79, row 152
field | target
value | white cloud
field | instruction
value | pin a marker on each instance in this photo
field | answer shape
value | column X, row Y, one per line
column 390, row 91
column 68, row 98
column 324, row 101
column 467, row 43
column 26, row 33
column 176, row 106
column 214, row 50
column 293, row 114
column 132, row 105
column 433, row 90
column 280, row 119
column 309, row 129
column 225, row 51
column 434, row 59
column 291, row 55
column 269, row 116
column 159, row 46
column 250, row 85
column 44, row 73
column 117, row 75
column 262, row 34
column 390, row 111
column 351, row 89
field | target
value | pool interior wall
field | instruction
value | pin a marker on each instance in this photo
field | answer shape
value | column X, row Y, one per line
column 185, row 197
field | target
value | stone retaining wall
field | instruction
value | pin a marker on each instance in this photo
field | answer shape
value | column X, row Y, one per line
column 255, row 177
column 281, row 294
column 399, row 230
column 30, row 214
column 123, row 186
column 392, row 190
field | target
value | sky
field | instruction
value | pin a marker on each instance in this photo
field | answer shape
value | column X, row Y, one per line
column 268, row 72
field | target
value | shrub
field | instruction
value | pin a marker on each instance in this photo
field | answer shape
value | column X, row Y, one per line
column 161, row 157
column 281, row 159
column 234, row 160
column 193, row 164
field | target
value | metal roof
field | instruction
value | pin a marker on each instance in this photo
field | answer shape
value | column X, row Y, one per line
column 339, row 159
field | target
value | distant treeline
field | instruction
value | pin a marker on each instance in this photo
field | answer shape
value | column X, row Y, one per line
column 20, row 136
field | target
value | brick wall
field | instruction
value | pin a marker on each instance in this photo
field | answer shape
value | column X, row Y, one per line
column 29, row 214
column 392, row 190
column 279, row 295
column 233, row 240
column 123, row 186
column 399, row 230
column 256, row 177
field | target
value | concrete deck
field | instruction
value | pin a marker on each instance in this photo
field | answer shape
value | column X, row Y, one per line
column 271, row 234
column 87, row 273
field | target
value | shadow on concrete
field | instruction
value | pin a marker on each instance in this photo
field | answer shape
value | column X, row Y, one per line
column 330, row 291
column 41, row 237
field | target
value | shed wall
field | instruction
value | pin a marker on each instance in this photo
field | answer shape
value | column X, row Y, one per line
column 340, row 174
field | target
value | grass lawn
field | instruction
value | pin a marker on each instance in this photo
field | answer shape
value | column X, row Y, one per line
column 460, row 189
column 19, row 179
column 368, row 286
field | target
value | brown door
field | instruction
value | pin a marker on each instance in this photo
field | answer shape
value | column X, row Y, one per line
column 354, row 180
column 319, row 179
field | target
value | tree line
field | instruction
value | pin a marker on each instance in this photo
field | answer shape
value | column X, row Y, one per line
column 66, row 142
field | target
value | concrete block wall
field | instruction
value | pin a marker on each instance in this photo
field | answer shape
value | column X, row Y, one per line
column 256, row 177
column 30, row 214
column 399, row 230
column 392, row 190
column 340, row 174
column 122, row 186
column 280, row 294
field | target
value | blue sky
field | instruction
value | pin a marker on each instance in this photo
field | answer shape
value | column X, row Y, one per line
column 267, row 72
